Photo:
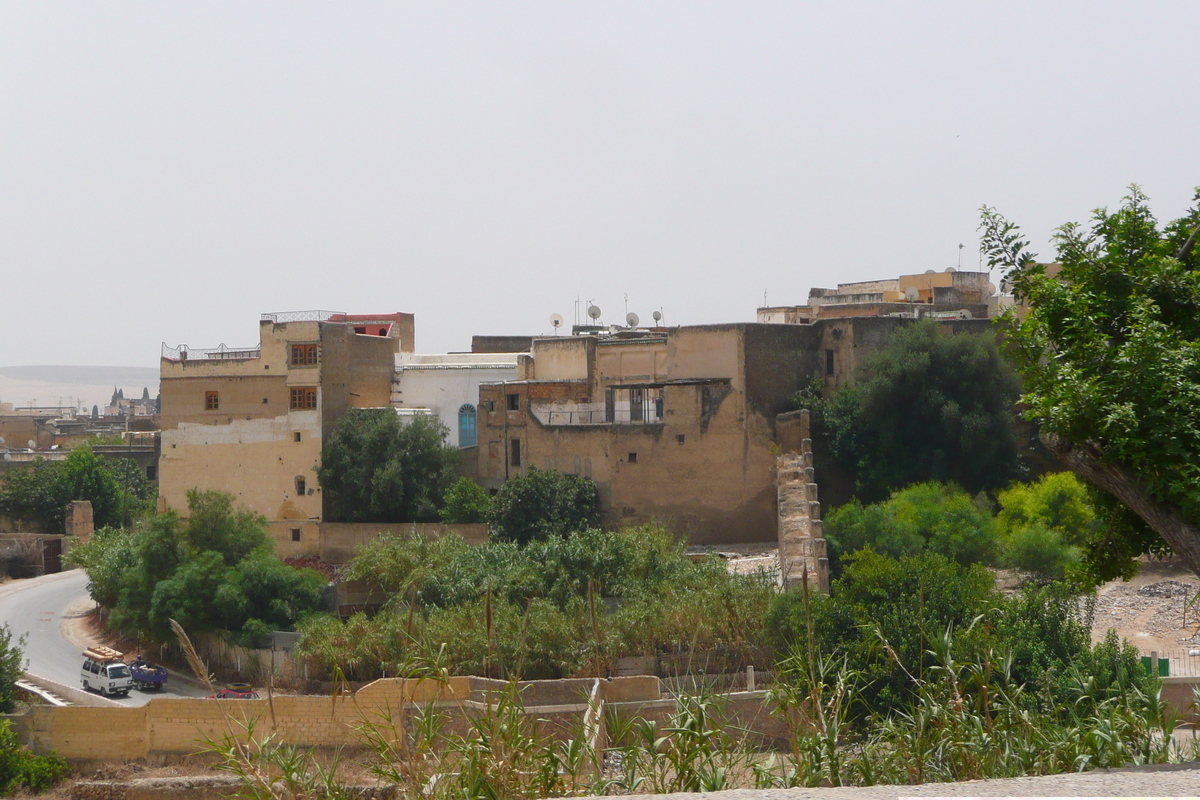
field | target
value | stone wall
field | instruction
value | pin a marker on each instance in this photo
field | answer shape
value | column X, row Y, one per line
column 801, row 543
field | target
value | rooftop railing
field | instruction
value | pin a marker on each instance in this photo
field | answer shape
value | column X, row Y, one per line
column 219, row 353
column 300, row 316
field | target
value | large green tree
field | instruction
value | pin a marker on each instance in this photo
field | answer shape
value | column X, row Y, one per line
column 1110, row 352
column 933, row 406
column 377, row 468
column 215, row 570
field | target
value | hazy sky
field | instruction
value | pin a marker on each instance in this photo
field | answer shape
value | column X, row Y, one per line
column 168, row 171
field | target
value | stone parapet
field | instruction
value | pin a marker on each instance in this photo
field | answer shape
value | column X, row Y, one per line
column 802, row 549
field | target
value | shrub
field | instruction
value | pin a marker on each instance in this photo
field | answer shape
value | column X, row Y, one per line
column 1041, row 552
column 541, row 504
column 12, row 667
column 934, row 516
column 464, row 502
column 21, row 769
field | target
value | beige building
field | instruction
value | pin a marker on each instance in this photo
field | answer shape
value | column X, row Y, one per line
column 251, row 421
column 948, row 294
column 675, row 425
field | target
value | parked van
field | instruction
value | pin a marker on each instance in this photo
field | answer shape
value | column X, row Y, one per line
column 104, row 671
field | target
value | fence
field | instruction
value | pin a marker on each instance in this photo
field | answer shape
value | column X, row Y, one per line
column 1174, row 662
column 218, row 353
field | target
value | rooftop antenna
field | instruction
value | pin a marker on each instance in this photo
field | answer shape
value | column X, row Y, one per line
column 627, row 304
column 556, row 320
column 764, row 298
column 960, row 248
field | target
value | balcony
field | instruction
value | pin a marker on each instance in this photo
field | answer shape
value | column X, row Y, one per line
column 596, row 414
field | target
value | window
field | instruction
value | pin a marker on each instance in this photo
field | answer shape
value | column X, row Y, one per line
column 515, row 448
column 304, row 355
column 680, row 438
column 151, row 472
column 303, row 397
column 295, row 534
column 490, row 405
column 212, row 401
column 466, row 426
column 296, row 437
column 633, row 458
column 514, row 402
column 301, row 486
column 829, row 362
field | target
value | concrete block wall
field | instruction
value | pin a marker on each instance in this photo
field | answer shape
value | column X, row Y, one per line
column 802, row 550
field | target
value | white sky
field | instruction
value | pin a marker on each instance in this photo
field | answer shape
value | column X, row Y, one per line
column 170, row 170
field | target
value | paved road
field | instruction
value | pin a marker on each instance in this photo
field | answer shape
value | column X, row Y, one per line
column 36, row 607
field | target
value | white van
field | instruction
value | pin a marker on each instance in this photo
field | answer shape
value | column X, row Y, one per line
column 105, row 675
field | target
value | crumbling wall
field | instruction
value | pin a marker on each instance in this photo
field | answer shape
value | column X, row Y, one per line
column 801, row 543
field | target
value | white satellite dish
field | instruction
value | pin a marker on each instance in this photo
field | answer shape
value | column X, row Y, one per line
column 911, row 294
column 930, row 271
column 951, row 270
column 594, row 312
column 556, row 320
column 1, row 440
column 631, row 319
column 32, row 444
column 991, row 288
column 657, row 316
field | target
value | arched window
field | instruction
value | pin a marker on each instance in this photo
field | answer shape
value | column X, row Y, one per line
column 466, row 425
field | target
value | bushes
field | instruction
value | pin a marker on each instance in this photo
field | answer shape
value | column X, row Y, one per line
column 465, row 502
column 117, row 490
column 21, row 769
column 12, row 668
column 646, row 594
column 938, row 517
column 214, row 571
column 914, row 601
column 541, row 504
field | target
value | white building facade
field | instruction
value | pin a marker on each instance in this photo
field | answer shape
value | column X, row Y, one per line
column 447, row 386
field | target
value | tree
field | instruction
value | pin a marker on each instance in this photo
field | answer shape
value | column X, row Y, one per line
column 934, row 406
column 927, row 516
column 465, row 501
column 1110, row 353
column 214, row 571
column 541, row 504
column 376, row 468
column 117, row 490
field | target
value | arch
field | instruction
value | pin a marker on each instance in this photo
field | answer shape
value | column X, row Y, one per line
column 467, row 435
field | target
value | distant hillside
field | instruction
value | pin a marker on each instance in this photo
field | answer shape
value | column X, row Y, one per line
column 116, row 376
column 84, row 387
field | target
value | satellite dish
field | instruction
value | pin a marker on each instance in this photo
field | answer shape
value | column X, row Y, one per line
column 631, row 319
column 911, row 294
column 930, row 271
column 991, row 288
column 657, row 316
column 951, row 270
column 32, row 444
column 1, row 440
column 594, row 312
column 556, row 320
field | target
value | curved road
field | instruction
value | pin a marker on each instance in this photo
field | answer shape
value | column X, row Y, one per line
column 39, row 607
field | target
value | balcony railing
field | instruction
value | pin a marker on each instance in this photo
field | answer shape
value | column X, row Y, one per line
column 586, row 416
column 219, row 353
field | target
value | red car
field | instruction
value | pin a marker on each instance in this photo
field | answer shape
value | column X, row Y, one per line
column 233, row 694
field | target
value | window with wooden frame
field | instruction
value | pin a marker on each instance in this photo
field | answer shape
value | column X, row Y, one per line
column 212, row 401
column 303, row 397
column 305, row 355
